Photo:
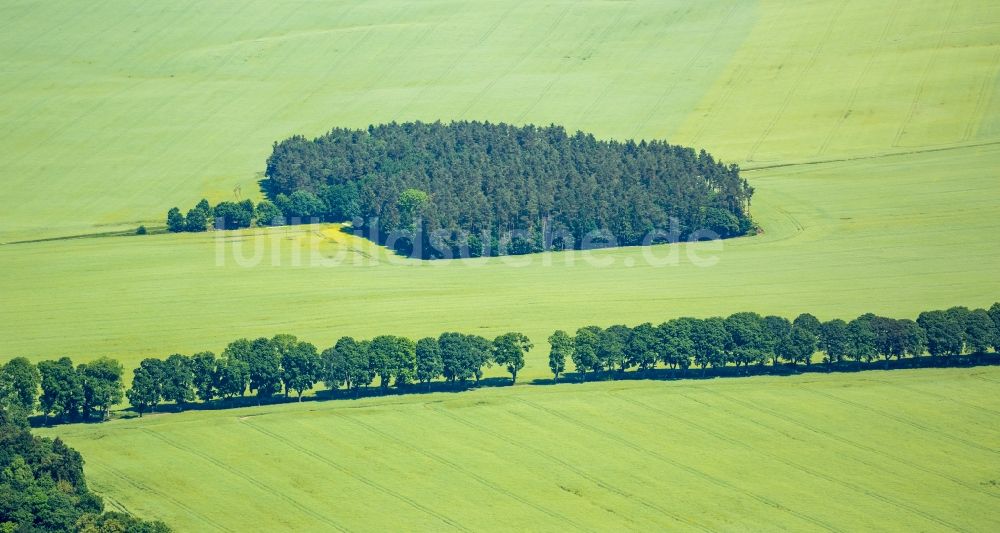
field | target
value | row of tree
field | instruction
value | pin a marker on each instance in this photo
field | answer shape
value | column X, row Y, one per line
column 42, row 486
column 283, row 364
column 266, row 367
column 746, row 338
column 227, row 215
column 444, row 190
column 81, row 392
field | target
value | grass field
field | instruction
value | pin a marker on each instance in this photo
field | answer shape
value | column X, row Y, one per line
column 113, row 114
column 832, row 248
column 899, row 450
column 871, row 131
column 885, row 112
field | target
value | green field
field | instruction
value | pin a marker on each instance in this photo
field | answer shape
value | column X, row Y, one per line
column 831, row 248
column 899, row 450
column 103, row 136
column 870, row 130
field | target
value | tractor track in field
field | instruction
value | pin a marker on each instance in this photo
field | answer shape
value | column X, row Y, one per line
column 735, row 81
column 565, row 64
column 681, row 466
column 410, row 45
column 890, row 20
column 981, row 378
column 687, row 67
column 905, row 421
column 105, row 101
column 545, row 38
column 55, row 28
column 461, row 57
column 928, row 149
column 354, row 475
column 796, row 466
column 270, row 118
column 161, row 495
column 915, row 102
column 836, row 438
column 31, row 111
column 458, row 468
column 588, row 110
column 571, row 467
column 209, row 115
column 75, row 47
column 983, row 98
column 797, row 82
column 340, row 58
column 941, row 396
column 242, row 475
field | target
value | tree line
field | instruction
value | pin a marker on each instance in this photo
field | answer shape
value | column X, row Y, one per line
column 284, row 365
column 227, row 215
column 476, row 188
column 746, row 338
column 42, row 486
column 264, row 367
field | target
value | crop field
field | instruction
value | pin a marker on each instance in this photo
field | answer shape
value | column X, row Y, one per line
column 115, row 113
column 831, row 247
column 870, row 130
column 854, row 220
column 903, row 450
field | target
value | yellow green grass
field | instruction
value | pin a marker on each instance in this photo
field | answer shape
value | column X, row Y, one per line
column 909, row 450
column 873, row 129
column 115, row 113
column 832, row 246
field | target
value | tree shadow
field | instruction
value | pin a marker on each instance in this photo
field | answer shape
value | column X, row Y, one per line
column 652, row 374
column 667, row 374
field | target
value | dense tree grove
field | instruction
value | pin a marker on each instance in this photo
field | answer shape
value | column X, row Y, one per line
column 265, row 367
column 42, row 486
column 476, row 188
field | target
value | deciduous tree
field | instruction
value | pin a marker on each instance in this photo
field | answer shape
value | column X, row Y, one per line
column 835, row 340
column 710, row 338
column 268, row 214
column 429, row 364
column 643, row 345
column 944, row 332
column 147, row 385
column 175, row 220
column 799, row 345
column 585, row 350
column 231, row 377
column 178, row 380
column 776, row 330
column 300, row 368
column 980, row 331
column 561, row 348
column 509, row 350
column 748, row 344
column 204, row 373
column 675, row 342
column 19, row 381
column 101, row 380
